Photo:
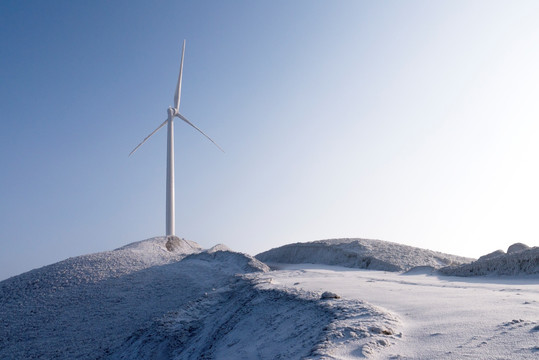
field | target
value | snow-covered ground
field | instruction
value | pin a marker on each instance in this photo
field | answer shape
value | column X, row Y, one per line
column 170, row 299
column 250, row 319
column 439, row 317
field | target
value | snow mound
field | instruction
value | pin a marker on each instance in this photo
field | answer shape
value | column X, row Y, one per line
column 492, row 255
column 356, row 329
column 85, row 306
column 360, row 253
column 249, row 319
column 520, row 262
column 96, row 267
column 239, row 261
column 517, row 247
column 234, row 322
column 158, row 245
column 218, row 247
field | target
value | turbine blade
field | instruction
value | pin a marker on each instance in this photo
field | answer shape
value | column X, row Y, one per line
column 202, row 132
column 147, row 137
column 179, row 87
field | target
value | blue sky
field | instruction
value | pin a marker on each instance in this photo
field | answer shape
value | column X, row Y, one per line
column 413, row 122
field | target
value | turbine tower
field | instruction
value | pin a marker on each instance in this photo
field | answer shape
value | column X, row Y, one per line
column 172, row 113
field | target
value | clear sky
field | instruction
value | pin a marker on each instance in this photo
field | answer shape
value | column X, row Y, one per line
column 408, row 121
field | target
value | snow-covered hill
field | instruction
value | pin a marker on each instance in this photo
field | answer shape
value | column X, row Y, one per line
column 519, row 259
column 170, row 299
column 84, row 307
column 159, row 299
column 360, row 253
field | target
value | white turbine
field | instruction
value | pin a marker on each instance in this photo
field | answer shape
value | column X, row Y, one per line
column 172, row 113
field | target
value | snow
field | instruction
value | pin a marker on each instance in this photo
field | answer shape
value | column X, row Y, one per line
column 525, row 260
column 439, row 317
column 85, row 307
column 218, row 247
column 251, row 319
column 167, row 298
column 492, row 255
column 517, row 247
column 236, row 322
column 360, row 253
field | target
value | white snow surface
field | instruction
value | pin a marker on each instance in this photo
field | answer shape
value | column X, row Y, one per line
column 170, row 299
column 252, row 319
column 360, row 253
column 440, row 317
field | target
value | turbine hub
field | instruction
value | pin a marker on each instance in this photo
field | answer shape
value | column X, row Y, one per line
column 172, row 112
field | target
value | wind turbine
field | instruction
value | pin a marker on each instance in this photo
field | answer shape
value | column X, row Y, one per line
column 172, row 113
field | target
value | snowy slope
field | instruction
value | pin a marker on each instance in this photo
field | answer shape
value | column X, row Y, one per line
column 109, row 264
column 360, row 253
column 85, row 306
column 251, row 319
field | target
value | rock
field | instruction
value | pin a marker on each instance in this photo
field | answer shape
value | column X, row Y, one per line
column 173, row 243
column 379, row 330
column 329, row 295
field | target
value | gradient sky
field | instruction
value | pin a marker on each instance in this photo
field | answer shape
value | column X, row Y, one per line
column 408, row 121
